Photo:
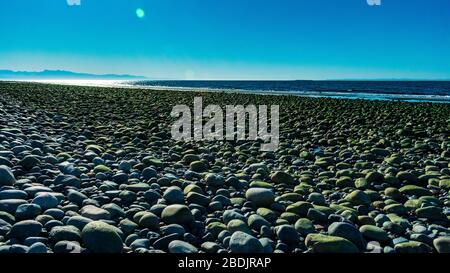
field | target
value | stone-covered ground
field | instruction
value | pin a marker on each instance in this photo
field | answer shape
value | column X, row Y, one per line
column 95, row 170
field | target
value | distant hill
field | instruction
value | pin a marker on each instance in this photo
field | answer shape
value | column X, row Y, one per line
column 62, row 74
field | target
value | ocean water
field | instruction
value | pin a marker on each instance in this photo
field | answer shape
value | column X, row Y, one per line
column 412, row 91
column 431, row 91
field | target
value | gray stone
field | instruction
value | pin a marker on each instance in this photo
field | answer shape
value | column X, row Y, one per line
column 100, row 237
column 6, row 176
column 45, row 200
column 94, row 213
column 261, row 197
column 177, row 246
column 242, row 242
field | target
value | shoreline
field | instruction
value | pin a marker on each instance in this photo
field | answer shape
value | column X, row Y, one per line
column 412, row 98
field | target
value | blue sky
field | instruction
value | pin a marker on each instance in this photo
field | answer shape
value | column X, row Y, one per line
column 230, row 39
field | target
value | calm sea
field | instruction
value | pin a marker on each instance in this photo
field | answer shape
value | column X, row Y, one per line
column 438, row 91
column 413, row 91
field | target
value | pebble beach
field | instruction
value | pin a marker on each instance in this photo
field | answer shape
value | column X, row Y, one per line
column 95, row 170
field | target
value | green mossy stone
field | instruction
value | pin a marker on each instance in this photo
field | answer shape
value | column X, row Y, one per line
column 267, row 214
column 430, row 213
column 414, row 190
column 362, row 183
column 300, row 208
column 374, row 233
column 216, row 227
column 320, row 243
column 237, row 225
column 358, row 197
column 344, row 182
column 102, row 169
column 398, row 209
column 261, row 184
column 100, row 237
column 412, row 247
column 444, row 184
column 280, row 177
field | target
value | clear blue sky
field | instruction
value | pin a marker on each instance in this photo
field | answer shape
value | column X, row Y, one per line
column 230, row 39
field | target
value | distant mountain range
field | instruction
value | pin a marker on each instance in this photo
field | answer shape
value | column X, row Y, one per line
column 62, row 74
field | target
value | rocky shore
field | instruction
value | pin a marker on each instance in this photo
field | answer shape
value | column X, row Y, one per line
column 88, row 169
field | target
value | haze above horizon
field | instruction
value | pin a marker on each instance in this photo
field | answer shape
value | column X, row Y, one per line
column 247, row 39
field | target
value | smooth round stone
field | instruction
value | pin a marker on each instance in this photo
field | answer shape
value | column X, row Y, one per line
column 174, row 195
column 33, row 190
column 430, row 213
column 238, row 225
column 38, row 247
column 304, row 226
column 198, row 198
column 287, row 234
column 76, row 197
column 267, row 245
column 53, row 223
column 13, row 194
column 140, row 243
column 127, row 226
column 149, row 220
column 29, row 161
column 24, row 229
column 267, row 214
column 125, row 166
column 16, row 248
column 214, row 180
column 64, row 233
column 420, row 229
column 241, row 242
column 181, row 247
column 261, row 197
column 347, row 231
column 151, row 196
column 280, row 177
column 442, row 244
column 11, row 205
column 300, row 208
column 210, row 247
column 358, row 197
column 177, row 214
column 320, row 243
column 316, row 198
column 256, row 221
column 27, row 211
column 149, row 173
column 229, row 215
column 6, row 176
column 57, row 214
column 68, row 181
column 138, row 187
column 31, row 240
column 8, row 218
column 78, row 221
column 114, row 210
column 45, row 200
column 95, row 213
column 173, row 228
column 374, row 233
column 412, row 247
column 197, row 166
column 100, row 237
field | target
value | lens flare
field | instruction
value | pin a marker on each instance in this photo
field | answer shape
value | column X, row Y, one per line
column 140, row 13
